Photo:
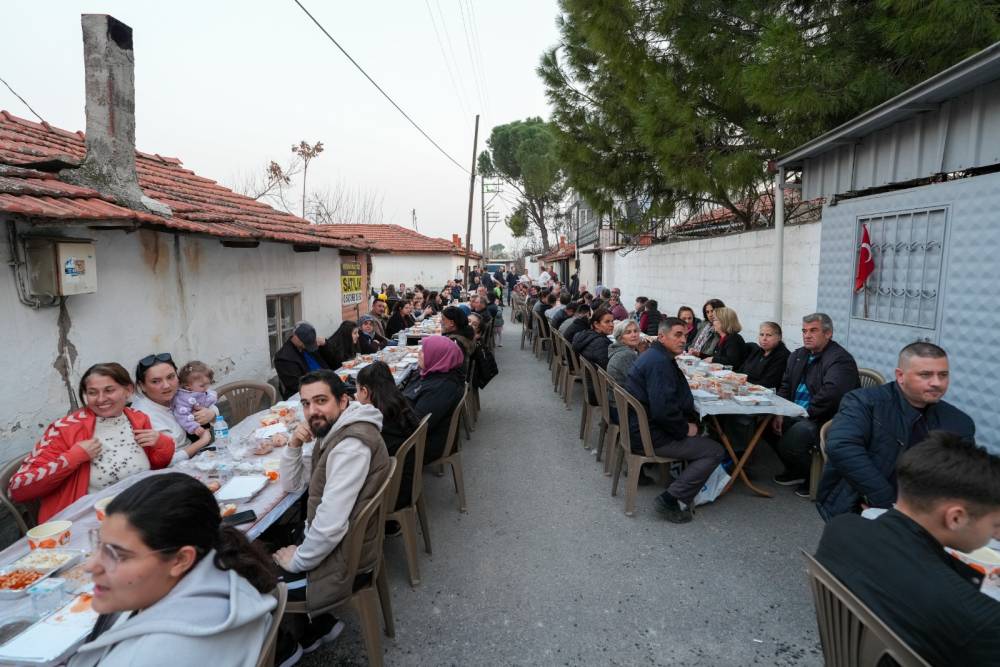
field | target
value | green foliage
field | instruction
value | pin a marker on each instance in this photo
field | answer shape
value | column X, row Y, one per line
column 525, row 155
column 497, row 250
column 668, row 103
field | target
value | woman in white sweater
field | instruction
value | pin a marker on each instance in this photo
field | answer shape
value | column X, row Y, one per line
column 173, row 586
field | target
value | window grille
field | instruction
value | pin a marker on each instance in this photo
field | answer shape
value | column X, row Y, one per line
column 283, row 311
column 908, row 250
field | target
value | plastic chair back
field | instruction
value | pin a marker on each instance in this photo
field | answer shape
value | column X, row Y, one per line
column 591, row 385
column 870, row 378
column 850, row 633
column 822, row 438
column 603, row 386
column 25, row 514
column 416, row 443
column 246, row 398
column 626, row 402
column 280, row 594
column 453, row 443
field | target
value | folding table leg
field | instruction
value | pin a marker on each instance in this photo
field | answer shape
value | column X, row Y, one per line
column 738, row 470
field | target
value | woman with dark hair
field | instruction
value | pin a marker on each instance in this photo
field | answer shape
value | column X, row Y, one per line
column 93, row 448
column 438, row 389
column 455, row 325
column 649, row 321
column 201, row 587
column 686, row 315
column 706, row 338
column 766, row 360
column 369, row 339
column 402, row 318
column 377, row 387
column 342, row 345
column 434, row 303
column 157, row 383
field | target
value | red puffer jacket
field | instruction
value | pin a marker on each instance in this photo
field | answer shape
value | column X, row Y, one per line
column 57, row 471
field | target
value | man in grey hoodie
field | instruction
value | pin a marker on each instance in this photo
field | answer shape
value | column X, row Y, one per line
column 349, row 463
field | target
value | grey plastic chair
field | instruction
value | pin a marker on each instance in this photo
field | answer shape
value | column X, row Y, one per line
column 407, row 516
column 267, row 650
column 25, row 514
column 850, row 633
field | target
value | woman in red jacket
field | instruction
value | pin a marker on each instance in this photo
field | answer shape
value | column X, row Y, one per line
column 91, row 449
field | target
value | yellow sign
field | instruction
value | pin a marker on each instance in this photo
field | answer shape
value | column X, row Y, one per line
column 351, row 283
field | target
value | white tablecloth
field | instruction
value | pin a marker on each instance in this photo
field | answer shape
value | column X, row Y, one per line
column 779, row 406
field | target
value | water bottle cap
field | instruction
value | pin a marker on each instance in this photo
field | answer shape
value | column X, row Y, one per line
column 218, row 418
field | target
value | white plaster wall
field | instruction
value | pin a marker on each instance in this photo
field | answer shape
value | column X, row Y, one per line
column 156, row 293
column 432, row 270
column 588, row 270
column 737, row 269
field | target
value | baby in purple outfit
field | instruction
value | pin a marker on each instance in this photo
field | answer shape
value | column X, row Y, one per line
column 195, row 377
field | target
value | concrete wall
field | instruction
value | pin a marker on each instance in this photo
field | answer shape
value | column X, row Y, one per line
column 432, row 270
column 588, row 269
column 156, row 293
column 736, row 268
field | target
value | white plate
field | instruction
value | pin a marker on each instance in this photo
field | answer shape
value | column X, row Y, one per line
column 241, row 488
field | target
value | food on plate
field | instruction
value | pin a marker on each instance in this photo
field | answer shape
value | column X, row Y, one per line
column 44, row 559
column 279, row 439
column 228, row 509
column 76, row 577
column 17, row 580
column 263, row 447
column 213, row 485
column 269, row 420
column 366, row 357
column 756, row 389
column 349, row 364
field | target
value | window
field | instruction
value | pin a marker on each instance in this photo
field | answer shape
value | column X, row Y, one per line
column 283, row 311
column 908, row 249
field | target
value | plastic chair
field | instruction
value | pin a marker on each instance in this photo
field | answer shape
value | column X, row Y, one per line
column 452, row 454
column 850, row 633
column 407, row 516
column 574, row 375
column 628, row 403
column 870, row 378
column 608, row 436
column 542, row 342
column 527, row 333
column 25, row 514
column 818, row 460
column 374, row 591
column 245, row 398
column 280, row 594
column 587, row 414
column 559, row 364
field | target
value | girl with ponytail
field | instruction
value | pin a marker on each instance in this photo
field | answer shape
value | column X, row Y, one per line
column 172, row 584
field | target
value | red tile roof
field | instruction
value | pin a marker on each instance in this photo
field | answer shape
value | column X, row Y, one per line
column 398, row 239
column 199, row 205
column 559, row 253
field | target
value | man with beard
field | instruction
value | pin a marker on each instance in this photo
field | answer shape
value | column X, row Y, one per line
column 349, row 464
column 876, row 425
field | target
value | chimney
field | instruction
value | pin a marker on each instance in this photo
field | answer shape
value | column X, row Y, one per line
column 456, row 240
column 109, row 66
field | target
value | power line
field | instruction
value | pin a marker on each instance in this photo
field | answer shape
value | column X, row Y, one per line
column 447, row 37
column 23, row 101
column 379, row 88
column 472, row 58
column 479, row 50
column 460, row 94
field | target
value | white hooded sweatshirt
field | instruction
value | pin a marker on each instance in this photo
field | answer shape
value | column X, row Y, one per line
column 211, row 617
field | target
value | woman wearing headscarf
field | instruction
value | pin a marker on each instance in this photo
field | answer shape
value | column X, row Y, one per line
column 455, row 325
column 438, row 389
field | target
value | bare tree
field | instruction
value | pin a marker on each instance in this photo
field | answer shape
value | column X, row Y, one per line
column 307, row 154
column 342, row 204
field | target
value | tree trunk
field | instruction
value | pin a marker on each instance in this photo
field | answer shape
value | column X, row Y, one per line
column 538, row 213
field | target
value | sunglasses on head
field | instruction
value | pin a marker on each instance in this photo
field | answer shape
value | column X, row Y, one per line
column 153, row 359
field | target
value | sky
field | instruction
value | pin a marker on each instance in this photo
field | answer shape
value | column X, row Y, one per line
column 227, row 86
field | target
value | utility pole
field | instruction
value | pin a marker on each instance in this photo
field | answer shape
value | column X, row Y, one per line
column 472, row 193
column 414, row 213
column 482, row 206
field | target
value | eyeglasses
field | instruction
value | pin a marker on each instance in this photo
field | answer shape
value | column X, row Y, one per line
column 153, row 359
column 111, row 556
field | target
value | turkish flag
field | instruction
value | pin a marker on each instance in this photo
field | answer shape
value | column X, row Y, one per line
column 866, row 263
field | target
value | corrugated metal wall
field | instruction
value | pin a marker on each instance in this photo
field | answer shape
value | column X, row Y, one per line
column 967, row 313
column 958, row 134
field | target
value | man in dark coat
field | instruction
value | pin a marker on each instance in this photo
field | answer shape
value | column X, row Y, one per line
column 661, row 387
column 876, row 425
column 512, row 279
column 817, row 376
column 298, row 356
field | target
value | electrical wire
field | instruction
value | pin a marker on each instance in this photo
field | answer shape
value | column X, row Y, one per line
column 23, row 101
column 451, row 48
column 379, row 88
column 460, row 94
column 479, row 50
column 472, row 57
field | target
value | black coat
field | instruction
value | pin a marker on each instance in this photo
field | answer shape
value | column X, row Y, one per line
column 395, row 433
column 397, row 323
column 593, row 347
column 436, row 395
column 869, row 433
column 765, row 370
column 731, row 352
column 829, row 377
column 659, row 384
column 577, row 325
column 290, row 365
column 653, row 318
column 371, row 344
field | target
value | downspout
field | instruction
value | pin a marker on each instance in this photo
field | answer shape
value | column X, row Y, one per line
column 779, row 242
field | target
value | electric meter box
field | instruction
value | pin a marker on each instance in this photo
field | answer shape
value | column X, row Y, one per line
column 61, row 268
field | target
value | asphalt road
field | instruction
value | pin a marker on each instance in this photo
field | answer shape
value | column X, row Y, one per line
column 545, row 568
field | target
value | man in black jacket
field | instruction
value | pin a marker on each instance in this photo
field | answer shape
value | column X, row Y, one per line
column 663, row 390
column 949, row 496
column 817, row 376
column 876, row 425
column 298, row 356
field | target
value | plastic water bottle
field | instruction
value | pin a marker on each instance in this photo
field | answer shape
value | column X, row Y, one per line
column 221, row 430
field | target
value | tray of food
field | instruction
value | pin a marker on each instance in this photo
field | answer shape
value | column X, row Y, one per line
column 54, row 637
column 241, row 489
column 16, row 577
